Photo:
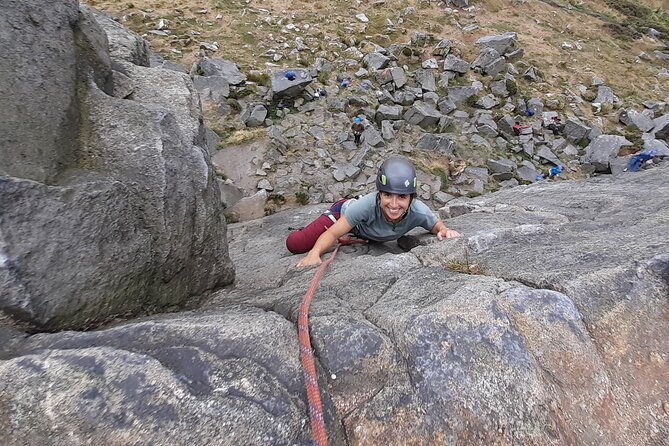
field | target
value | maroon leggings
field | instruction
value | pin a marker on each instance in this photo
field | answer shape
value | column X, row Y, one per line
column 301, row 241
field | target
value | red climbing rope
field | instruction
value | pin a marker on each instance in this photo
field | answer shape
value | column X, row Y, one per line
column 306, row 354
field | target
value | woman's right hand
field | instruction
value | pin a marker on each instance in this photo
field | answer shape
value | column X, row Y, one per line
column 309, row 260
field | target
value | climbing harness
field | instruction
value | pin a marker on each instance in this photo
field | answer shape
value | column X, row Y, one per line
column 306, row 354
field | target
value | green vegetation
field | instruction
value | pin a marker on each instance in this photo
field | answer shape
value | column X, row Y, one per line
column 276, row 199
column 511, row 87
column 301, row 198
column 639, row 16
column 259, row 78
column 243, row 136
column 219, row 173
column 443, row 175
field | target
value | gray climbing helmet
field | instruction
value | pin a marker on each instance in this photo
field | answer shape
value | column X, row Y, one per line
column 396, row 176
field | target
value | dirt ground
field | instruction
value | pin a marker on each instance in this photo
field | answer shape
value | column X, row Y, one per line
column 246, row 29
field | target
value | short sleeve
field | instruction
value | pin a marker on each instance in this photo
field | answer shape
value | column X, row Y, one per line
column 359, row 211
column 427, row 219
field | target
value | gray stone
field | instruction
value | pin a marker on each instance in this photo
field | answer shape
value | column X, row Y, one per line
column 442, row 143
column 38, row 138
column 254, row 115
column 489, row 62
column 221, row 67
column 546, row 154
column 372, row 137
column 376, row 61
column 425, row 78
column 498, row 88
column 459, row 95
column 605, row 95
column 502, row 165
column 442, row 48
column 399, row 76
column 422, row 114
column 123, row 43
column 633, row 118
column 146, row 231
column 387, row 130
column 527, row 172
column 122, row 85
column 661, row 128
column 603, row 149
column 446, row 106
column 575, row 130
column 388, row 112
column 253, row 207
column 405, row 97
column 455, row 64
column 500, row 43
column 212, row 88
column 487, row 102
column 265, row 185
column 282, row 87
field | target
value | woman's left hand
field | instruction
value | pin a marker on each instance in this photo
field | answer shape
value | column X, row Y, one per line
column 447, row 233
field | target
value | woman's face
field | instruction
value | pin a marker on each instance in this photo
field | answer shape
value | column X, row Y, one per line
column 394, row 206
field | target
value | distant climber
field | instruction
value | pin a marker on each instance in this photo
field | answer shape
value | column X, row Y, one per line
column 517, row 128
column 556, row 126
column 345, row 82
column 290, row 75
column 357, row 127
column 529, row 112
column 555, row 171
column 638, row 160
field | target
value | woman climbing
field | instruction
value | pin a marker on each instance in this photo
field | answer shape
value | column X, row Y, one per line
column 380, row 216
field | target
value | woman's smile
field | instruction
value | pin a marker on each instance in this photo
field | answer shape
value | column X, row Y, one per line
column 394, row 206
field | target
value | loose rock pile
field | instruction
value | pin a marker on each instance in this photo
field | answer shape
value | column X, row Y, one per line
column 422, row 100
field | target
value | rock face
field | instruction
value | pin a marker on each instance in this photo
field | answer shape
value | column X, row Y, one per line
column 561, row 338
column 107, row 206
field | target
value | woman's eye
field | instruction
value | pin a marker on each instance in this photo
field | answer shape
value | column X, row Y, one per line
column 403, row 196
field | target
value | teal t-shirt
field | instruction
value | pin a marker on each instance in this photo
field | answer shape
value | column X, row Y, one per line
column 368, row 222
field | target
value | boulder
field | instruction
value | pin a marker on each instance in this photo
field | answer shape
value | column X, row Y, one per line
column 39, row 138
column 123, row 44
column 219, row 67
column 501, row 43
column 489, row 62
column 254, row 115
column 455, row 64
column 603, row 149
column 575, row 130
column 137, row 211
column 661, row 128
column 388, row 112
column 441, row 143
column 399, row 76
column 376, row 61
column 459, row 95
column 635, row 119
column 372, row 137
column 423, row 115
column 527, row 172
column 425, row 78
column 282, row 87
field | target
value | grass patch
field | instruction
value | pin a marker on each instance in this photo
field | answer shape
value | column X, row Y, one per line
column 301, row 198
column 219, row 173
column 259, row 78
column 243, row 136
